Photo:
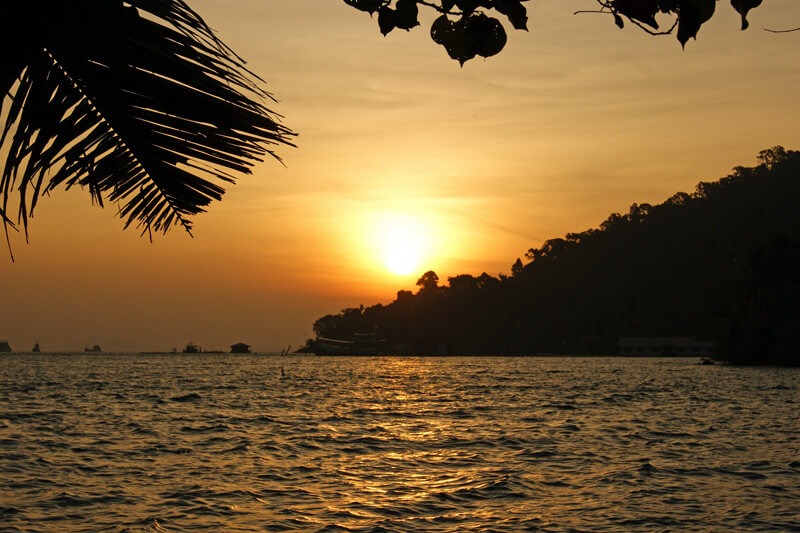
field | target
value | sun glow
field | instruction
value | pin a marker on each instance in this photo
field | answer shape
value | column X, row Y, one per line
column 402, row 242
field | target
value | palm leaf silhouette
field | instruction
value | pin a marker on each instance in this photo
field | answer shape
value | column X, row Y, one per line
column 137, row 101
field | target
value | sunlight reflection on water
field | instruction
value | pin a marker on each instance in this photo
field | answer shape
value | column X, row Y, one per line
column 226, row 443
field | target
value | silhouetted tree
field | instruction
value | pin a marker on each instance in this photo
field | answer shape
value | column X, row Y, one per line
column 765, row 317
column 516, row 268
column 772, row 156
column 463, row 283
column 428, row 283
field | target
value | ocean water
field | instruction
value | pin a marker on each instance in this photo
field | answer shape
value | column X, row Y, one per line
column 264, row 443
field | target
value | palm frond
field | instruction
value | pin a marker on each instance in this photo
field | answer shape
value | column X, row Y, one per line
column 137, row 101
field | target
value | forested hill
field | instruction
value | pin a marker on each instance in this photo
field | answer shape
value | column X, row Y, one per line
column 691, row 266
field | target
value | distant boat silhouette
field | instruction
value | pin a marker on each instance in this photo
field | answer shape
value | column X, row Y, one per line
column 326, row 346
column 4, row 347
column 362, row 344
column 192, row 348
column 36, row 348
column 95, row 348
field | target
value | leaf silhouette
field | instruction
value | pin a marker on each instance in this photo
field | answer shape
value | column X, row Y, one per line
column 487, row 33
column 440, row 28
column 515, row 11
column 693, row 14
column 386, row 20
column 370, row 6
column 641, row 10
column 467, row 6
column 407, row 13
column 138, row 102
column 743, row 6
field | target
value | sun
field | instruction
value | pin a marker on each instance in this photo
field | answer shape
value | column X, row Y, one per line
column 402, row 242
column 401, row 253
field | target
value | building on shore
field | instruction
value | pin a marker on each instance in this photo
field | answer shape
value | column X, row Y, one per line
column 240, row 347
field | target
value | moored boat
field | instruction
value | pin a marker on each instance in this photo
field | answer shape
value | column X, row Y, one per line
column 362, row 344
column 325, row 346
column 192, row 348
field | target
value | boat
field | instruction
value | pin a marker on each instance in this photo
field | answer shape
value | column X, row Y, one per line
column 326, row 346
column 36, row 348
column 96, row 348
column 361, row 344
column 4, row 346
column 366, row 344
column 192, row 348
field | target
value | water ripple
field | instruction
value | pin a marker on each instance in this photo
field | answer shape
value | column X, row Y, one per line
column 152, row 443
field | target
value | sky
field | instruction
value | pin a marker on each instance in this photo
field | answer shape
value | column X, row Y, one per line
column 407, row 162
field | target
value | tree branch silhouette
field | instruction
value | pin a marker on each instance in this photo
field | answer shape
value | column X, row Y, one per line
column 476, row 30
column 781, row 31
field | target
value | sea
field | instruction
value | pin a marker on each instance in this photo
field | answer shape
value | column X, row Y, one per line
column 229, row 443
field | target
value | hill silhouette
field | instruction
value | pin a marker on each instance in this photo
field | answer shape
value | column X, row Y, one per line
column 720, row 264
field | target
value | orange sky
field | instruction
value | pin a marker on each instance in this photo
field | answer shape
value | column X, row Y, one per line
column 572, row 121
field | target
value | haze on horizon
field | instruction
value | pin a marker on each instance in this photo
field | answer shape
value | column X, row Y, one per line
column 471, row 166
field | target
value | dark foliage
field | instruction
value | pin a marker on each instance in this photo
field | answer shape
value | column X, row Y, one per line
column 136, row 101
column 466, row 29
column 668, row 270
column 765, row 315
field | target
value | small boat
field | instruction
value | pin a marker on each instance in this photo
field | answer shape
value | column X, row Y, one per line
column 4, row 346
column 362, row 344
column 36, row 348
column 96, row 349
column 325, row 346
column 192, row 348
column 706, row 361
column 366, row 344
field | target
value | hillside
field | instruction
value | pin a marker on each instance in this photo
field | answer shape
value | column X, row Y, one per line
column 698, row 265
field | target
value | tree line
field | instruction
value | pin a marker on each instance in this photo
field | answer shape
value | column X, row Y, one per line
column 720, row 263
